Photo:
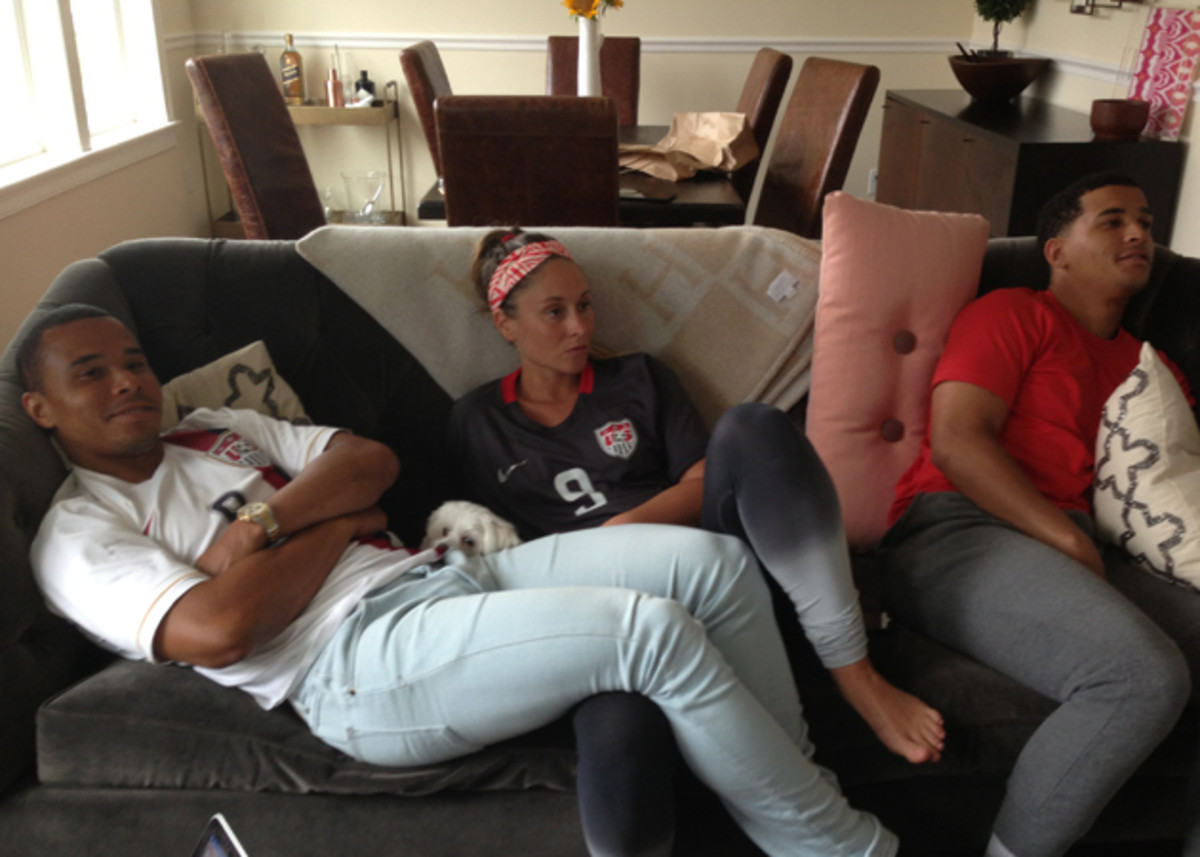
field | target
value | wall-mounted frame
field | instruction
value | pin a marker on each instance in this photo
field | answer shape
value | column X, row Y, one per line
column 1089, row 7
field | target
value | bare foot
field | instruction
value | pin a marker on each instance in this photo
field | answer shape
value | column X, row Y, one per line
column 906, row 725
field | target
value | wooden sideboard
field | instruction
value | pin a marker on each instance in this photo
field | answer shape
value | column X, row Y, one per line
column 942, row 151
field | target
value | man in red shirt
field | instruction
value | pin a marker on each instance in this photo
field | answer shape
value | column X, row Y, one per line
column 991, row 551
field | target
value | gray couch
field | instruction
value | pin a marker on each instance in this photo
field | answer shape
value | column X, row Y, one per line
column 110, row 757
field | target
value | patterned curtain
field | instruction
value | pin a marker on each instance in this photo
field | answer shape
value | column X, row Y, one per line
column 1166, row 66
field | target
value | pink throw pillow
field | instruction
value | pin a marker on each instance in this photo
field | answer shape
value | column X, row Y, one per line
column 892, row 281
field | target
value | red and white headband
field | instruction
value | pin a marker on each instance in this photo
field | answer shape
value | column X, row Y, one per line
column 518, row 264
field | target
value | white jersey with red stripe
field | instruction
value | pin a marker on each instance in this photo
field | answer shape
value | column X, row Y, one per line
column 114, row 556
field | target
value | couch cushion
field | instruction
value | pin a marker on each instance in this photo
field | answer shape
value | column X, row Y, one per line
column 1147, row 497
column 245, row 378
column 891, row 283
column 137, row 725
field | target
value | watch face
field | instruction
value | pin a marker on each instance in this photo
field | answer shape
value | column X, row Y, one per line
column 260, row 513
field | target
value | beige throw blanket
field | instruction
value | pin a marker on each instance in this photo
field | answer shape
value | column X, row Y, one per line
column 729, row 310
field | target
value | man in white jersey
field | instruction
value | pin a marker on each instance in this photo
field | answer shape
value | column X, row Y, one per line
column 243, row 547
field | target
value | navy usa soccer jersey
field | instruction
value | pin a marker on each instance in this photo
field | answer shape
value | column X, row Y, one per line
column 632, row 434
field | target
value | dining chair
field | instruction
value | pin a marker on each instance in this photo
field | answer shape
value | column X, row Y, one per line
column 620, row 71
column 427, row 82
column 761, row 96
column 543, row 160
column 260, row 152
column 815, row 143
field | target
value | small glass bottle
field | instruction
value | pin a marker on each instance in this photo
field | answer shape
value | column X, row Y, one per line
column 334, row 95
column 364, row 84
column 291, row 67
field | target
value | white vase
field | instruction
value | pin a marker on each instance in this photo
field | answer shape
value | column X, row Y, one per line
column 588, row 80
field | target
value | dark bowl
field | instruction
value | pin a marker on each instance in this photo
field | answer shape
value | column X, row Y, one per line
column 1119, row 118
column 997, row 80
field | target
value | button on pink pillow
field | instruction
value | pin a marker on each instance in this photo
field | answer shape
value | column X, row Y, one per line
column 891, row 283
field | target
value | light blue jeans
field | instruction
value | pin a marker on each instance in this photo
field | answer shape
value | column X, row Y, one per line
column 679, row 615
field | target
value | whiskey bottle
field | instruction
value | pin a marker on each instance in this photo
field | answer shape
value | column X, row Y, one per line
column 291, row 67
column 364, row 85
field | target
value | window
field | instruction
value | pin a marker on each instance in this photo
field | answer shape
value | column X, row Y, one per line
column 86, row 76
column 99, row 43
column 18, row 140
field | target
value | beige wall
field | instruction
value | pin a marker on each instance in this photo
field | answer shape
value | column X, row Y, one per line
column 1111, row 37
column 650, row 18
column 135, row 202
column 158, row 196
column 722, row 38
column 696, row 55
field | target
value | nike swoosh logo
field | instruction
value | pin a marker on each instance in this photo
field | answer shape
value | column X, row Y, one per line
column 503, row 474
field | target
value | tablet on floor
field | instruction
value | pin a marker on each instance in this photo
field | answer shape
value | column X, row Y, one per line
column 218, row 840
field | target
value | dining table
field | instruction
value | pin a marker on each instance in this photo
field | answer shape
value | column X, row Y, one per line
column 708, row 198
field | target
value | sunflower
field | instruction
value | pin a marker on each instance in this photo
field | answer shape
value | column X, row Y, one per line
column 584, row 8
column 591, row 8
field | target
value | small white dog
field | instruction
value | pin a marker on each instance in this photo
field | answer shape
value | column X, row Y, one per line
column 468, row 527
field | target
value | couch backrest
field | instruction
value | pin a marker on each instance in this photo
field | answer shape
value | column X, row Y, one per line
column 39, row 654
column 730, row 310
column 190, row 302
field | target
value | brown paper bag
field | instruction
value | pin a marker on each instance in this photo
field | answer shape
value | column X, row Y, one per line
column 696, row 141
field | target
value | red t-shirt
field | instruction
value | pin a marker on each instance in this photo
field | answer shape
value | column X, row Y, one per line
column 1054, row 375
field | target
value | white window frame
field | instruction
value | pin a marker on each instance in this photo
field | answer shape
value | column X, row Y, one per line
column 71, row 156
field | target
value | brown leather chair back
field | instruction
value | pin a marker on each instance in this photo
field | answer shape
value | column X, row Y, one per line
column 620, row 71
column 761, row 97
column 529, row 160
column 427, row 82
column 815, row 143
column 256, row 140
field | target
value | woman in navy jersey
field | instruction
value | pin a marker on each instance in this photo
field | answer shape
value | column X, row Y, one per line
column 567, row 442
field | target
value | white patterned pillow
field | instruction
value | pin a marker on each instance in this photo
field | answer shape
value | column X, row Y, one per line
column 1147, row 497
column 242, row 379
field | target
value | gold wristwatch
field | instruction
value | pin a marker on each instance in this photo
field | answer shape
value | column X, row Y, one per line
column 261, row 514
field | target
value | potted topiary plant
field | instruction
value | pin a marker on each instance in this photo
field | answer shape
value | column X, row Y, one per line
column 998, row 13
column 994, row 75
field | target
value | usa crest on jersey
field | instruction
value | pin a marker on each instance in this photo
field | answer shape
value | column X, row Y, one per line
column 235, row 449
column 617, row 438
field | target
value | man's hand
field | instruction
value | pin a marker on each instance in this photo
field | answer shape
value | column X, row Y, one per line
column 252, row 593
column 239, row 540
column 349, row 476
column 231, row 615
column 368, row 522
column 964, row 430
column 1084, row 551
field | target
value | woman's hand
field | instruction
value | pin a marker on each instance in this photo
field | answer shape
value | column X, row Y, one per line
column 679, row 504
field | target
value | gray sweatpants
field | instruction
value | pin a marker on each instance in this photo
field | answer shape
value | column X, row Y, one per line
column 1119, row 655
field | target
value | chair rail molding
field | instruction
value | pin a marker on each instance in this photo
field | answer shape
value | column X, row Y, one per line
column 209, row 40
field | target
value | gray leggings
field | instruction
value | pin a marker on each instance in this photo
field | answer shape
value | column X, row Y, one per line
column 1116, row 655
column 765, row 484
